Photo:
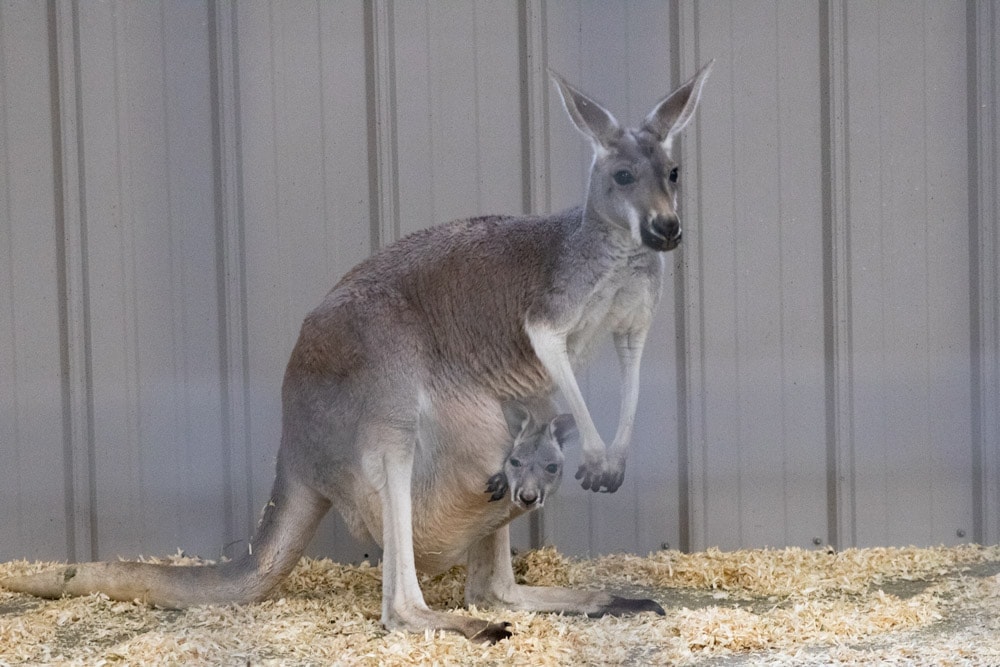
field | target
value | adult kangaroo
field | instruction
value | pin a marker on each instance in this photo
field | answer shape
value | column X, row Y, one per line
column 392, row 399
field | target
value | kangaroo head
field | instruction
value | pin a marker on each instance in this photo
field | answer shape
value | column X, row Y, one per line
column 535, row 465
column 633, row 179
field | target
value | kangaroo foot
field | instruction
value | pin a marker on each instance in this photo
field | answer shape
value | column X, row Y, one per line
column 619, row 606
column 493, row 632
column 420, row 619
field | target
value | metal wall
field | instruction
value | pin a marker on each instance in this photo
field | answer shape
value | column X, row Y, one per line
column 183, row 181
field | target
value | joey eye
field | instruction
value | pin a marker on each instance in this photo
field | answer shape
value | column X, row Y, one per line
column 515, row 463
column 623, row 177
column 674, row 173
column 552, row 468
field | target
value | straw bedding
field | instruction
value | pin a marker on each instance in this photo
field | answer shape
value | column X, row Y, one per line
column 893, row 606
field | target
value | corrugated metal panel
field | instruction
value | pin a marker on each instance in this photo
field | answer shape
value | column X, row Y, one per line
column 305, row 198
column 824, row 361
column 32, row 477
column 151, row 262
column 906, row 199
column 457, row 108
column 754, row 291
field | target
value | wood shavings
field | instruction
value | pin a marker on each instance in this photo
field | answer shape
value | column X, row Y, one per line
column 789, row 606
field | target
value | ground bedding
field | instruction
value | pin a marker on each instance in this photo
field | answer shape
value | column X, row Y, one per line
column 891, row 605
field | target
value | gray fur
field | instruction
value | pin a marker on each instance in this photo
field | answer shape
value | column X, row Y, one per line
column 392, row 396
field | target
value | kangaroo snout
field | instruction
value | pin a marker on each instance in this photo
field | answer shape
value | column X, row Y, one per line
column 661, row 232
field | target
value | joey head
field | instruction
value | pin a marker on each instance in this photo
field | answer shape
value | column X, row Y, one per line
column 534, row 467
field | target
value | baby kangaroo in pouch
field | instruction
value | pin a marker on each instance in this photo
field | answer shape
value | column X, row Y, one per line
column 534, row 467
column 392, row 400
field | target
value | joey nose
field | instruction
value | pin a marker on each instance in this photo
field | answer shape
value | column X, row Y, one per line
column 529, row 498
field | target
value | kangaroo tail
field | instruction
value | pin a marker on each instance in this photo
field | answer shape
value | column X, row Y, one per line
column 289, row 521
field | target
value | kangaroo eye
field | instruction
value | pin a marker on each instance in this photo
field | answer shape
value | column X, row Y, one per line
column 674, row 173
column 623, row 177
column 552, row 468
column 515, row 463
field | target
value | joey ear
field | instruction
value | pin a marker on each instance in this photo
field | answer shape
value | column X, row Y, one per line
column 674, row 112
column 593, row 120
column 517, row 417
column 563, row 429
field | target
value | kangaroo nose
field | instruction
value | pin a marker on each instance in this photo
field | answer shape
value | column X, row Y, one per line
column 669, row 227
column 528, row 497
column 662, row 232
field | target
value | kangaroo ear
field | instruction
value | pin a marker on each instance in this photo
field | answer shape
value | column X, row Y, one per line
column 674, row 112
column 563, row 429
column 517, row 417
column 593, row 120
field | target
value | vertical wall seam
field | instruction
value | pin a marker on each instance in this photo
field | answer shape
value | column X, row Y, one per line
column 535, row 149
column 6, row 221
column 837, row 274
column 124, row 222
column 738, row 309
column 74, row 282
column 975, row 313
column 383, row 168
column 991, row 19
column 700, row 539
column 84, row 293
column 477, row 107
column 180, row 383
column 62, row 278
column 780, row 214
column 329, row 238
column 826, row 199
column 218, row 204
column 689, row 300
column 680, row 328
column 829, row 311
column 231, row 284
column 432, row 120
column 984, row 271
column 927, row 342
column 535, row 191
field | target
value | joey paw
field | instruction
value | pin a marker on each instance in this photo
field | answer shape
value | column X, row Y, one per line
column 497, row 485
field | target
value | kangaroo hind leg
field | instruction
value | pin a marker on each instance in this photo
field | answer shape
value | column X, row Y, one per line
column 390, row 468
column 491, row 583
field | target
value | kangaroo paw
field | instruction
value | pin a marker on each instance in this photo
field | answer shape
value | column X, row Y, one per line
column 598, row 477
column 619, row 606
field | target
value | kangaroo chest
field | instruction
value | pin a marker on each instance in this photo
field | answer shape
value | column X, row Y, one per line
column 623, row 299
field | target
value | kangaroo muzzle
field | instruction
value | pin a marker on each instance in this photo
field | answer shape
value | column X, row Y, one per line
column 661, row 232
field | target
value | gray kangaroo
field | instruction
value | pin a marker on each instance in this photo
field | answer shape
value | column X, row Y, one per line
column 391, row 401
column 534, row 467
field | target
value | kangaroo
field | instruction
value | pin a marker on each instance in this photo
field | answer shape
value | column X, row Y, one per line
column 534, row 467
column 391, row 400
